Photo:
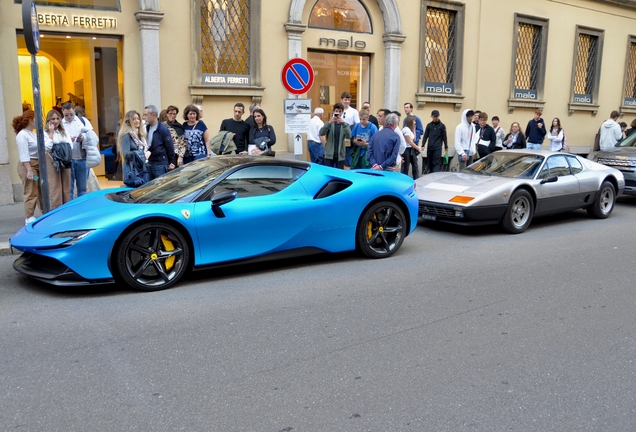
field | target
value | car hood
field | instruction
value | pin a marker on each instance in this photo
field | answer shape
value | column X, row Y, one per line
column 442, row 187
column 617, row 152
column 97, row 211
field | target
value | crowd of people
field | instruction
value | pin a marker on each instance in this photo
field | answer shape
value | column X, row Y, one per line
column 69, row 142
column 356, row 140
column 152, row 143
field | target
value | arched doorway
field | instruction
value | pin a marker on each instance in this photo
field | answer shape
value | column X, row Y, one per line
column 392, row 38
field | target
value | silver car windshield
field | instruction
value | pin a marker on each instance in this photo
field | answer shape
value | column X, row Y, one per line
column 184, row 182
column 512, row 165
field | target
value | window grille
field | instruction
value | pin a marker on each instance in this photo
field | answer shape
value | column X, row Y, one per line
column 585, row 72
column 225, row 37
column 440, row 43
column 630, row 84
column 528, row 56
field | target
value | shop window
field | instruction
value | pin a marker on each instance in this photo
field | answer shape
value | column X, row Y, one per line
column 337, row 73
column 345, row 15
column 586, row 70
column 84, row 4
column 629, row 92
column 528, row 68
column 442, row 30
column 85, row 70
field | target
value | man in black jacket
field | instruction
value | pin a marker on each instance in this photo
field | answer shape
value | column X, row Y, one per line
column 435, row 133
column 240, row 128
column 160, row 151
column 487, row 136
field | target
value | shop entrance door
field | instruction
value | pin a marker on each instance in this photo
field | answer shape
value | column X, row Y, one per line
column 84, row 70
column 336, row 73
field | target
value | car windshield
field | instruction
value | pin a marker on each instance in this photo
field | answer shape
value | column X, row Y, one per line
column 181, row 184
column 504, row 164
column 630, row 141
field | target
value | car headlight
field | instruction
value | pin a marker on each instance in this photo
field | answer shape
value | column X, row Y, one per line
column 73, row 236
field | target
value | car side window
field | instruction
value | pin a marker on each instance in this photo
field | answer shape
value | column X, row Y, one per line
column 555, row 165
column 575, row 164
column 259, row 180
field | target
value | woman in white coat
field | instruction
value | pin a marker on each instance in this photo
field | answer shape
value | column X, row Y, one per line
column 556, row 135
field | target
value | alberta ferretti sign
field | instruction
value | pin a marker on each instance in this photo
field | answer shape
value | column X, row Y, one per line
column 220, row 79
column 62, row 20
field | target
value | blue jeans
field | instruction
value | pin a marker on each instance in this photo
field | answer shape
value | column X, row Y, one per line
column 316, row 152
column 189, row 159
column 155, row 170
column 79, row 177
column 464, row 164
column 348, row 156
column 533, row 146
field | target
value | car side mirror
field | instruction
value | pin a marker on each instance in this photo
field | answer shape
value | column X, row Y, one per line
column 550, row 179
column 221, row 199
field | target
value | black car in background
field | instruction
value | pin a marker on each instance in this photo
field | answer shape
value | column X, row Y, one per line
column 623, row 158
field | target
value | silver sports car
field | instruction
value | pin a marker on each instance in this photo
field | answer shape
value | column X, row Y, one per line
column 511, row 186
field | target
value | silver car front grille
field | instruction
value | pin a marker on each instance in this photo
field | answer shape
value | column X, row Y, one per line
column 617, row 162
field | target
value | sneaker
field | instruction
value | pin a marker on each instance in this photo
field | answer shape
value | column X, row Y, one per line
column 29, row 220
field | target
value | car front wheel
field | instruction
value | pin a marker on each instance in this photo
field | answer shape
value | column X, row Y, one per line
column 152, row 257
column 604, row 203
column 519, row 213
column 381, row 230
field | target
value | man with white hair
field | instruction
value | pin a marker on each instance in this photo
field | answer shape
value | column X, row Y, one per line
column 384, row 147
column 314, row 141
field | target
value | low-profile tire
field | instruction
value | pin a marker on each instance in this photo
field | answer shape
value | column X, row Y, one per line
column 381, row 230
column 519, row 212
column 152, row 257
column 604, row 202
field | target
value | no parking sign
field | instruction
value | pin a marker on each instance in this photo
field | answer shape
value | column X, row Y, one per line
column 297, row 76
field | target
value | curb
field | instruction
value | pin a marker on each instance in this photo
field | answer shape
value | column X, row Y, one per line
column 5, row 249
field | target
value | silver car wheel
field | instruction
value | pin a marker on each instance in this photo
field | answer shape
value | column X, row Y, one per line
column 520, row 211
column 607, row 200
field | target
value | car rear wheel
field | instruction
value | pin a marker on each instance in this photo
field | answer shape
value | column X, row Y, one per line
column 381, row 230
column 152, row 257
column 604, row 203
column 519, row 213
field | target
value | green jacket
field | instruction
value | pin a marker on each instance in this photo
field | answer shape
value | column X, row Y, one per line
column 345, row 134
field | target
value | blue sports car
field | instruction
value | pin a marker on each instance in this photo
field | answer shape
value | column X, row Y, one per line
column 218, row 210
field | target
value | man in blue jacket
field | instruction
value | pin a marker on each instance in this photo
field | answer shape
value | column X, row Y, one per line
column 160, row 151
column 385, row 145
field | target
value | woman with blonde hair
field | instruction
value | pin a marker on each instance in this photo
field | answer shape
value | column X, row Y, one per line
column 57, row 173
column 131, row 149
column 29, row 168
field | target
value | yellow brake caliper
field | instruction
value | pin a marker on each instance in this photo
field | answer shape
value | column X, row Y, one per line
column 167, row 244
column 370, row 228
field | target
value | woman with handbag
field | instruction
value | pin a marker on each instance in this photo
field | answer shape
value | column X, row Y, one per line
column 262, row 137
column 131, row 148
column 29, row 168
column 58, row 160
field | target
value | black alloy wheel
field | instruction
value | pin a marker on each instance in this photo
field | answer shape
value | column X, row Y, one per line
column 152, row 257
column 381, row 230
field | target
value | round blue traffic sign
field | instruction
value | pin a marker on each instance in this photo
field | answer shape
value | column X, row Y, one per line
column 297, row 76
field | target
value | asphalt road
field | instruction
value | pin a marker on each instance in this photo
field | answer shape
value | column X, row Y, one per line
column 464, row 329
